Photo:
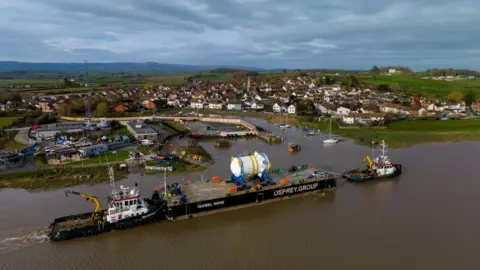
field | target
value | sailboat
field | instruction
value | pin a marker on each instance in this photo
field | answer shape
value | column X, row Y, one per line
column 285, row 126
column 330, row 140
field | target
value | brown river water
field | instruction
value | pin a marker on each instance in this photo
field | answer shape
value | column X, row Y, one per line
column 425, row 219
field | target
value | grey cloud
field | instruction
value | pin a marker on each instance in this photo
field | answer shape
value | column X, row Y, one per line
column 265, row 33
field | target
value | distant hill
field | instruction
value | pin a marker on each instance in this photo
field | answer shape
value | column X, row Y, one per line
column 68, row 68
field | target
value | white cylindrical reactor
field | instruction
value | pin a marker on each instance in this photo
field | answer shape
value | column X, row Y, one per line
column 255, row 164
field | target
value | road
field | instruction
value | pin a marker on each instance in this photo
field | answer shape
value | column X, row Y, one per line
column 22, row 135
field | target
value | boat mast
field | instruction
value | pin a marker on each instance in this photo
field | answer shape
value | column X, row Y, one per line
column 165, row 197
column 330, row 129
column 384, row 148
column 112, row 179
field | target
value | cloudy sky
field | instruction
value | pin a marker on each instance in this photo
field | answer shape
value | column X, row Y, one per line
column 263, row 33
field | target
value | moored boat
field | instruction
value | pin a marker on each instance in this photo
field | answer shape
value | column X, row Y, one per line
column 378, row 168
column 223, row 143
column 293, row 147
column 330, row 140
column 126, row 209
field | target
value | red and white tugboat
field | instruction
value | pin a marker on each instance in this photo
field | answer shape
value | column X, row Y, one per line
column 378, row 168
column 125, row 204
column 126, row 209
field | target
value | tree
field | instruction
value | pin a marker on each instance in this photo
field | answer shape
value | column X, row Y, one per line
column 394, row 87
column 371, row 106
column 101, row 109
column 375, row 70
column 455, row 95
column 383, row 88
column 160, row 104
column 469, row 98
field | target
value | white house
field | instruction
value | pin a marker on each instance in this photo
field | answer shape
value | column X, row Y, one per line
column 215, row 106
column 257, row 106
column 326, row 108
column 392, row 70
column 348, row 119
column 197, row 105
column 363, row 118
column 291, row 109
column 393, row 108
column 276, row 108
column 343, row 110
column 235, row 106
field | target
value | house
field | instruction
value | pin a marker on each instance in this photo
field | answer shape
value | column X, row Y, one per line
column 276, row 108
column 393, row 108
column 215, row 106
column 291, row 109
column 343, row 110
column 123, row 107
column 46, row 107
column 326, row 108
column 476, row 107
column 4, row 107
column 257, row 106
column 348, row 119
column 197, row 105
column 173, row 102
column 149, row 104
column 235, row 106
column 392, row 70
column 363, row 118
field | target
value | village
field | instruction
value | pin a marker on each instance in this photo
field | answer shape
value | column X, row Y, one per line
column 295, row 96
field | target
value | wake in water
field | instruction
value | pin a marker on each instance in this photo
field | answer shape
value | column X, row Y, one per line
column 34, row 237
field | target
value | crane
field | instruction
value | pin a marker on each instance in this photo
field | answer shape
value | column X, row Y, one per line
column 370, row 162
column 97, row 213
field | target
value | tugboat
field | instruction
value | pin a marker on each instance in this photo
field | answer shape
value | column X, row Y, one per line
column 223, row 143
column 378, row 168
column 126, row 209
column 293, row 147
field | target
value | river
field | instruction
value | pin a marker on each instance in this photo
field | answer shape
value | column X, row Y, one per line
column 424, row 219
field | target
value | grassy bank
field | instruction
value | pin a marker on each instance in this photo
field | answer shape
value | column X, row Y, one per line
column 407, row 133
column 417, row 85
column 7, row 121
column 56, row 178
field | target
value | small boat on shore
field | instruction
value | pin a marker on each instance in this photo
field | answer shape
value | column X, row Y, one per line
column 223, row 143
column 293, row 147
column 378, row 168
column 312, row 132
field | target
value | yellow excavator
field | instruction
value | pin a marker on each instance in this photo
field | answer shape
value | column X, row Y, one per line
column 370, row 162
column 98, row 212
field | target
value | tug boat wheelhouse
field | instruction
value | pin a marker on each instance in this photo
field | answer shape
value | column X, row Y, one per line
column 125, row 204
column 377, row 168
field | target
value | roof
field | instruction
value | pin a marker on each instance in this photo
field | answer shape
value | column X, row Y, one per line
column 140, row 128
column 365, row 115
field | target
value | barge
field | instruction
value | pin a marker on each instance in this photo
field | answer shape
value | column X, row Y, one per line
column 249, row 185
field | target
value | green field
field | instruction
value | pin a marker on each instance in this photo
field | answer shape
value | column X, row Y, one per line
column 179, row 78
column 426, row 87
column 407, row 133
column 7, row 121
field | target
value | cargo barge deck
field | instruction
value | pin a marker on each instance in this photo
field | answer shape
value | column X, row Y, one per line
column 217, row 196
